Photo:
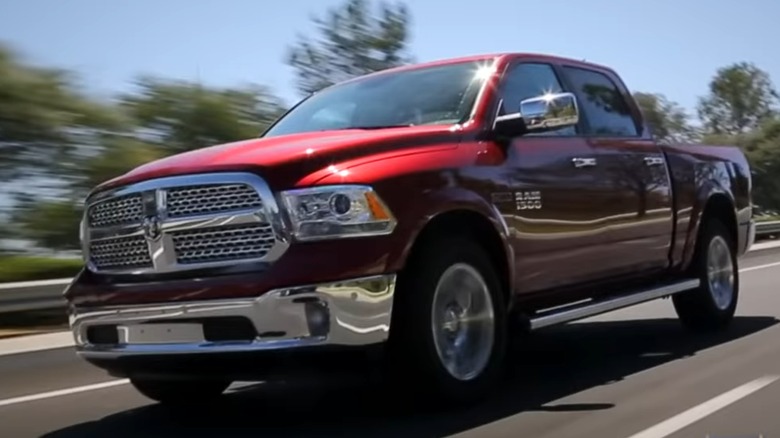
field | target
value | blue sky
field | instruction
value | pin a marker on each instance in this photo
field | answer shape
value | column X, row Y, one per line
column 666, row 46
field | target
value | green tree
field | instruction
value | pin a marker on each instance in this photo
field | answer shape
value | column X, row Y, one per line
column 741, row 97
column 120, row 155
column 667, row 119
column 42, row 119
column 179, row 116
column 50, row 224
column 351, row 43
column 47, row 127
column 762, row 148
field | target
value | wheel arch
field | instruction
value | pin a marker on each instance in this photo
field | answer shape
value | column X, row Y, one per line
column 718, row 205
column 489, row 231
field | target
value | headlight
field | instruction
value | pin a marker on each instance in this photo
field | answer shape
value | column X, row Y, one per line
column 337, row 211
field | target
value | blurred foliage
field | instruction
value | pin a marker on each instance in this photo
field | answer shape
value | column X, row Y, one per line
column 351, row 43
column 741, row 98
column 50, row 224
column 762, row 148
column 120, row 154
column 26, row 268
column 668, row 120
column 42, row 118
column 180, row 116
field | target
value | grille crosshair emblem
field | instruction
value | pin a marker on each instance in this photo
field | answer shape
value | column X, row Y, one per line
column 154, row 207
column 152, row 228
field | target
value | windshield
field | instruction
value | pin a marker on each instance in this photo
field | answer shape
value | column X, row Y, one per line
column 433, row 95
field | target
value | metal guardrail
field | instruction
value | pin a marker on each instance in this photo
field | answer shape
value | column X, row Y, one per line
column 32, row 295
column 47, row 294
column 767, row 228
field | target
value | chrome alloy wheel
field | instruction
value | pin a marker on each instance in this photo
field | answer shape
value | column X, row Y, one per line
column 720, row 272
column 463, row 322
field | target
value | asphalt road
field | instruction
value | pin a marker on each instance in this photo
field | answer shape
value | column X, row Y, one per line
column 621, row 374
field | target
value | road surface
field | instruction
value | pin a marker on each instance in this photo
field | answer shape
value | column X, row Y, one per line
column 632, row 373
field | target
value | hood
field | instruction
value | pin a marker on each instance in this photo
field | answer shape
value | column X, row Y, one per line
column 296, row 154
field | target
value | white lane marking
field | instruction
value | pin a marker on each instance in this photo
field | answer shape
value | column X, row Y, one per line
column 32, row 343
column 62, row 392
column 754, row 268
column 235, row 387
column 709, row 407
column 764, row 245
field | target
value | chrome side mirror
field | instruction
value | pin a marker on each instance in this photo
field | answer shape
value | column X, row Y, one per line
column 550, row 111
column 539, row 114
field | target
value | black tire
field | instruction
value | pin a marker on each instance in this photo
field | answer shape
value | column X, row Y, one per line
column 414, row 362
column 180, row 392
column 699, row 309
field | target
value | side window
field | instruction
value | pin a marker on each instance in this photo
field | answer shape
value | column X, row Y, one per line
column 607, row 111
column 527, row 80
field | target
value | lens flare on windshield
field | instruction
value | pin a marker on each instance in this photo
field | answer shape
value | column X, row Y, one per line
column 484, row 71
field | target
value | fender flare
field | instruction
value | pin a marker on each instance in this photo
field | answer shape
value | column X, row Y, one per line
column 704, row 197
column 458, row 199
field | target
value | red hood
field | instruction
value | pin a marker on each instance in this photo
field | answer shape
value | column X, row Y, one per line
column 299, row 153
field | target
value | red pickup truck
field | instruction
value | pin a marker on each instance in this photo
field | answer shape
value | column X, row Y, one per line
column 416, row 218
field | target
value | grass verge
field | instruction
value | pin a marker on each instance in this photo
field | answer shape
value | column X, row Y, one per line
column 22, row 268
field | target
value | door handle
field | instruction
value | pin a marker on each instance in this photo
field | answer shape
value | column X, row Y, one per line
column 654, row 161
column 583, row 162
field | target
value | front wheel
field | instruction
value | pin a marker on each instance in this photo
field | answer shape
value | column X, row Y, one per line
column 713, row 304
column 180, row 392
column 448, row 336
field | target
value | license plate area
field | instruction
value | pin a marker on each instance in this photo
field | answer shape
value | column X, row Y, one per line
column 161, row 333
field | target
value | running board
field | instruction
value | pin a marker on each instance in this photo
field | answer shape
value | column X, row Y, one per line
column 592, row 308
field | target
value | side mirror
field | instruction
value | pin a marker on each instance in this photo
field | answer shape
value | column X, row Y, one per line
column 552, row 111
column 539, row 114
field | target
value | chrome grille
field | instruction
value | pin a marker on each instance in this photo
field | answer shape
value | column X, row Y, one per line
column 184, row 222
column 124, row 252
column 206, row 199
column 223, row 244
column 117, row 211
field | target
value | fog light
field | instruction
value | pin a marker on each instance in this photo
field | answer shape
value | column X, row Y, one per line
column 318, row 318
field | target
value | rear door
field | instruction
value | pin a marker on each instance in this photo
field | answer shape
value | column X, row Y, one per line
column 564, row 203
column 633, row 167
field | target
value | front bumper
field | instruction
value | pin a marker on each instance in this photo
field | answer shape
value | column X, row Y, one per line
column 347, row 313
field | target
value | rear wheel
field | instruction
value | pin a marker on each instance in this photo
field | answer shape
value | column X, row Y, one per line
column 448, row 335
column 713, row 304
column 180, row 392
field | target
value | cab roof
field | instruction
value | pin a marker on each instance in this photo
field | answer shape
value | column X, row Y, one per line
column 491, row 56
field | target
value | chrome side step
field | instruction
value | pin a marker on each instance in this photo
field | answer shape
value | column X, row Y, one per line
column 592, row 308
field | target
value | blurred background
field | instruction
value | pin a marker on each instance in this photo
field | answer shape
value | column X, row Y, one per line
column 90, row 89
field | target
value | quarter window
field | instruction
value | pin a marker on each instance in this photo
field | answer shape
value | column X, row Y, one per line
column 599, row 98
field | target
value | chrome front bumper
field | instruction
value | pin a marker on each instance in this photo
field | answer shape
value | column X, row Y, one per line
column 348, row 313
